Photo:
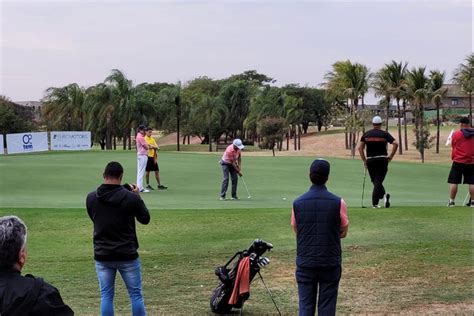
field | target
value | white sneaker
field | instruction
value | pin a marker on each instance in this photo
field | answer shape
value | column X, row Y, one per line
column 376, row 206
column 144, row 191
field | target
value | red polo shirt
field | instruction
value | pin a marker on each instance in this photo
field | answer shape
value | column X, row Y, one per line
column 462, row 148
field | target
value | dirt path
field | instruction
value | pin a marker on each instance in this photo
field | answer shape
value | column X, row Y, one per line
column 332, row 145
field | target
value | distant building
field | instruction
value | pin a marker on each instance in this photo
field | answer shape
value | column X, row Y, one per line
column 454, row 98
column 34, row 105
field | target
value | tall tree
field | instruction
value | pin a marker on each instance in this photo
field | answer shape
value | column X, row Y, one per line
column 102, row 112
column 419, row 93
column 64, row 107
column 236, row 96
column 464, row 77
column 390, row 81
column 171, row 109
column 349, row 81
column 438, row 91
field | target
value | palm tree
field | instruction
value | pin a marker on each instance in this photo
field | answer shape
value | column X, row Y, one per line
column 65, row 105
column 437, row 91
column 102, row 112
column 294, row 117
column 348, row 81
column 381, row 84
column 391, row 81
column 172, row 107
column 419, row 92
column 464, row 77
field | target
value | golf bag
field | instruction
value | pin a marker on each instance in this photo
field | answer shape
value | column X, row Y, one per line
column 221, row 296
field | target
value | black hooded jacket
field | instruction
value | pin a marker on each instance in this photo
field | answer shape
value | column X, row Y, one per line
column 27, row 295
column 113, row 210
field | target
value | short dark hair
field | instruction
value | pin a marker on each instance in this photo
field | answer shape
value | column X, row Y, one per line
column 319, row 171
column 464, row 120
column 141, row 127
column 318, row 178
column 12, row 240
column 113, row 170
column 148, row 129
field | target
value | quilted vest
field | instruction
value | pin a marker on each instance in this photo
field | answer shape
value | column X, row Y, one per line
column 318, row 223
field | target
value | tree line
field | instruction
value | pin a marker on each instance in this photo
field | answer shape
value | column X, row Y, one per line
column 249, row 106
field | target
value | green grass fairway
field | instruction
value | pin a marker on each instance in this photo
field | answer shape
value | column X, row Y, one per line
column 394, row 259
column 408, row 258
column 62, row 180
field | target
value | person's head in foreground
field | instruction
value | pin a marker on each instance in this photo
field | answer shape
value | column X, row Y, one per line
column 12, row 243
column 377, row 121
column 319, row 171
column 238, row 144
column 464, row 121
column 113, row 172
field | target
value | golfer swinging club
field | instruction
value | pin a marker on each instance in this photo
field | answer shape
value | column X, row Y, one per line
column 231, row 163
column 377, row 160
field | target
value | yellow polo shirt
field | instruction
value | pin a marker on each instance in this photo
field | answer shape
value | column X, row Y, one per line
column 151, row 141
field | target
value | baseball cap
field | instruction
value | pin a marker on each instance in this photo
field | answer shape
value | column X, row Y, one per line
column 377, row 120
column 464, row 120
column 238, row 143
column 321, row 167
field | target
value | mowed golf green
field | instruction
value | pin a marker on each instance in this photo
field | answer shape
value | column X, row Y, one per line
column 410, row 257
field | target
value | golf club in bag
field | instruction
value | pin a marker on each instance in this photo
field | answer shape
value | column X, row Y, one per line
column 226, row 295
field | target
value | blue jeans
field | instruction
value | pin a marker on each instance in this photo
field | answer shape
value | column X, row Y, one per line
column 226, row 170
column 131, row 275
column 312, row 280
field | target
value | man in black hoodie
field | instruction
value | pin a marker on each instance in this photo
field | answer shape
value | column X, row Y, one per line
column 23, row 295
column 113, row 209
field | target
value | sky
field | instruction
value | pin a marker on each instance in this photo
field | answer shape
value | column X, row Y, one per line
column 55, row 43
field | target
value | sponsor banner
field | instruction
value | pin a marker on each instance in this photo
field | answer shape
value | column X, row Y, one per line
column 2, row 149
column 27, row 142
column 70, row 140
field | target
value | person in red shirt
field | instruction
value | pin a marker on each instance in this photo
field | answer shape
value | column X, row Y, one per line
column 462, row 154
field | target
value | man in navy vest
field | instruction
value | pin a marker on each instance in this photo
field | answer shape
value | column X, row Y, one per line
column 319, row 220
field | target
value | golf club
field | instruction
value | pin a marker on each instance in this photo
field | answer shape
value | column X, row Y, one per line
column 466, row 199
column 363, row 188
column 246, row 188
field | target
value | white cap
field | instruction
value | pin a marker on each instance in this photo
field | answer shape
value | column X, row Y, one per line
column 238, row 143
column 377, row 120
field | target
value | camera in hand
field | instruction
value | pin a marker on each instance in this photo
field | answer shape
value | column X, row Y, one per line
column 128, row 187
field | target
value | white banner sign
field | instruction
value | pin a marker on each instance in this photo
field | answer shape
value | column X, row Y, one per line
column 2, row 149
column 27, row 142
column 70, row 140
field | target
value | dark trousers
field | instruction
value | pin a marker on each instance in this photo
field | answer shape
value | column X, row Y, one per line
column 378, row 168
column 226, row 170
column 310, row 281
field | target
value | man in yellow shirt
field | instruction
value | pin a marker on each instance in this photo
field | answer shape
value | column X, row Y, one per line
column 152, row 163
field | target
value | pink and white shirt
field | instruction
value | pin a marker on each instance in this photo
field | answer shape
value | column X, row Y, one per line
column 142, row 146
column 231, row 154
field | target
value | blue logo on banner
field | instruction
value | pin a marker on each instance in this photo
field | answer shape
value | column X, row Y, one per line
column 27, row 141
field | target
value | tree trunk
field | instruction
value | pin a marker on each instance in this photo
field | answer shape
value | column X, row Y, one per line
column 125, row 138
column 288, row 140
column 437, row 127
column 470, row 108
column 273, row 150
column 189, row 139
column 400, row 147
column 299, row 137
column 346, row 138
column 388, row 111
column 405, row 123
column 295, row 138
column 115, row 142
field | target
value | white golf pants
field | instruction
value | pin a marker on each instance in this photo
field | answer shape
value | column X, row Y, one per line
column 141, row 165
